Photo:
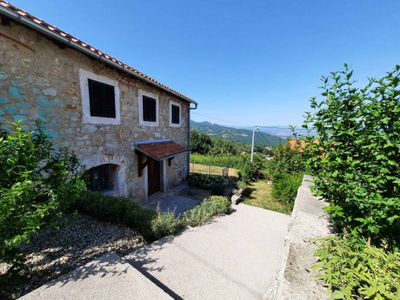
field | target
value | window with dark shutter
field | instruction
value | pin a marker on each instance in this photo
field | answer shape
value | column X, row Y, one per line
column 175, row 114
column 149, row 109
column 102, row 99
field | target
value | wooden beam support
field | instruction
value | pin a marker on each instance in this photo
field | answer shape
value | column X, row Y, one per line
column 143, row 161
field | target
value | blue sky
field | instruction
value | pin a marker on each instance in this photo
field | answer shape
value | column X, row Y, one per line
column 246, row 62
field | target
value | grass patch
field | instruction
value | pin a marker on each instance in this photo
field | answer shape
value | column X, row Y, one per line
column 259, row 194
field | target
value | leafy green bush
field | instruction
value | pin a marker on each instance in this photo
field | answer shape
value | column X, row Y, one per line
column 164, row 223
column 200, row 142
column 241, row 184
column 37, row 182
column 212, row 206
column 357, row 270
column 251, row 171
column 356, row 161
column 124, row 211
column 216, row 184
column 152, row 225
column 285, row 186
column 288, row 159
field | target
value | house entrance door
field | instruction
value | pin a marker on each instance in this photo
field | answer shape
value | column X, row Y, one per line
column 154, row 177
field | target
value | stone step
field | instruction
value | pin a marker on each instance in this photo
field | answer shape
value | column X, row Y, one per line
column 108, row 277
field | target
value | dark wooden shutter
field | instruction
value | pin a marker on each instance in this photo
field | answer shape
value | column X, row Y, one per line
column 149, row 109
column 102, row 99
column 175, row 114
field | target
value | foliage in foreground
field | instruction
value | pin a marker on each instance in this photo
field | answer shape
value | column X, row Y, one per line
column 356, row 160
column 354, row 269
column 37, row 183
column 152, row 225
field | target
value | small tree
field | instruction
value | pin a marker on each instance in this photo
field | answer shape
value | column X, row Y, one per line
column 356, row 162
column 37, row 184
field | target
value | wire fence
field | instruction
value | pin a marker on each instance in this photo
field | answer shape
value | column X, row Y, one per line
column 213, row 170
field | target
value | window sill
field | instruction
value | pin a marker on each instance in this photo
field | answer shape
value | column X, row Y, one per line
column 101, row 120
column 150, row 124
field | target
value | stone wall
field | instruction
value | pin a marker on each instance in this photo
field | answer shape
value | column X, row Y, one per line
column 39, row 80
column 308, row 221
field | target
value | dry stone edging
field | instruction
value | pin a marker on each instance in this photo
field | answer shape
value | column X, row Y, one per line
column 296, row 279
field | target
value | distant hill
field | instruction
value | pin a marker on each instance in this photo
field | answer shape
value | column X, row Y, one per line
column 238, row 135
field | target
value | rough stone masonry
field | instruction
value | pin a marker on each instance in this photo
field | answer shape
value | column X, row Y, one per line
column 40, row 80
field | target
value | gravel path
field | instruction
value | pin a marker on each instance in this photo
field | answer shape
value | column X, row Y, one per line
column 80, row 240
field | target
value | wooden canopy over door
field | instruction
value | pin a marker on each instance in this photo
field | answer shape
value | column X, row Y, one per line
column 154, row 177
column 151, row 154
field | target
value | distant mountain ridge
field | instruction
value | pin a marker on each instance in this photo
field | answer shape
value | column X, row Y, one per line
column 238, row 135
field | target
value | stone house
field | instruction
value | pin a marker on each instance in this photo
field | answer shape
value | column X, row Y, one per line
column 129, row 130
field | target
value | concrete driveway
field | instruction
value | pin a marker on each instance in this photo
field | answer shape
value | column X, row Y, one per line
column 233, row 257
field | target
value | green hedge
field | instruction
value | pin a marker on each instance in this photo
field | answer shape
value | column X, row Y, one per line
column 285, row 186
column 215, row 205
column 152, row 225
column 216, row 184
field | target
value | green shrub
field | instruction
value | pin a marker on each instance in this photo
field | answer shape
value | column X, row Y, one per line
column 152, row 225
column 288, row 159
column 216, row 184
column 217, row 189
column 212, row 206
column 357, row 270
column 37, row 183
column 241, row 184
column 164, row 223
column 251, row 171
column 120, row 211
column 356, row 162
column 285, row 187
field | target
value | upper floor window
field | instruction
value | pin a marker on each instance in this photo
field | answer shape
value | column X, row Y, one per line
column 148, row 109
column 174, row 114
column 100, row 99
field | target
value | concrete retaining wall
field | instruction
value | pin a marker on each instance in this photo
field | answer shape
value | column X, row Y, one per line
column 296, row 279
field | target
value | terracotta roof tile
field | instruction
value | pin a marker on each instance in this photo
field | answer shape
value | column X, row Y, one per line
column 96, row 51
column 160, row 150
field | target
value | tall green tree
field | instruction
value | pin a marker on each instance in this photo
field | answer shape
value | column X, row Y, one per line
column 356, row 160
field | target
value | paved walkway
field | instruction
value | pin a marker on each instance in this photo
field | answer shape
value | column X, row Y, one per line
column 107, row 277
column 172, row 201
column 233, row 257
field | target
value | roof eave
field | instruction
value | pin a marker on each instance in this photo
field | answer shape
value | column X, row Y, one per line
column 31, row 24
